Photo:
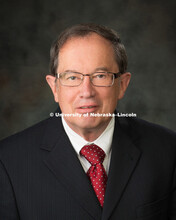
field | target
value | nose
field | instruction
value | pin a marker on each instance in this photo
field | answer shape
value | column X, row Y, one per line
column 87, row 90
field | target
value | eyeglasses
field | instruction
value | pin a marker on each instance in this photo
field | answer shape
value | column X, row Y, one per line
column 100, row 79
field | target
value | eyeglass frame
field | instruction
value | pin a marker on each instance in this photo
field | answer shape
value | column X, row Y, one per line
column 115, row 76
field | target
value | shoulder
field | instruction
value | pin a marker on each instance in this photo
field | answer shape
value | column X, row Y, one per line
column 149, row 135
column 156, row 144
column 28, row 138
column 146, row 128
column 34, row 129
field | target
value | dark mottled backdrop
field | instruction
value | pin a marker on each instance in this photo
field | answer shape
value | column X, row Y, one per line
column 27, row 29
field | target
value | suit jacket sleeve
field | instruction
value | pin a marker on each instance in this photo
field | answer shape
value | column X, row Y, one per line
column 173, row 201
column 8, row 208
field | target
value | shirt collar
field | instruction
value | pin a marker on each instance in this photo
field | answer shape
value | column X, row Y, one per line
column 104, row 140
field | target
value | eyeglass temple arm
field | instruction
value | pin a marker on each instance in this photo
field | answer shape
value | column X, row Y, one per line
column 116, row 75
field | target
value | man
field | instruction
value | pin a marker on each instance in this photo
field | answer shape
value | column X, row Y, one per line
column 86, row 164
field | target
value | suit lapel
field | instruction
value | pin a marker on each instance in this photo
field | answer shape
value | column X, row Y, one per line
column 124, row 159
column 62, row 161
column 64, row 164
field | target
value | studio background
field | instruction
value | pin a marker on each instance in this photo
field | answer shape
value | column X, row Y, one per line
column 27, row 29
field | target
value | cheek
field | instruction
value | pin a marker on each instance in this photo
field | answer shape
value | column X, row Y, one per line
column 110, row 98
column 113, row 93
column 65, row 98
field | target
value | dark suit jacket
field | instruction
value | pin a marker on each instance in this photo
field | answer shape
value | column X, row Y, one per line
column 41, row 177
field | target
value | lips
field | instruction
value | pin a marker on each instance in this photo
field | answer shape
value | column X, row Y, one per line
column 84, row 107
column 87, row 109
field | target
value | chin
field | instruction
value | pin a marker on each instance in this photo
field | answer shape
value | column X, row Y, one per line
column 87, row 123
column 90, row 123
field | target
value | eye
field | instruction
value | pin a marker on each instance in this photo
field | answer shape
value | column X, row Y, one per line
column 100, row 75
column 71, row 78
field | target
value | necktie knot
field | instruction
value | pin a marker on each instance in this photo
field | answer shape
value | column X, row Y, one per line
column 93, row 154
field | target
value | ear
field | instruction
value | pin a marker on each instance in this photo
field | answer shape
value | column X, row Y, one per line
column 124, row 81
column 51, row 80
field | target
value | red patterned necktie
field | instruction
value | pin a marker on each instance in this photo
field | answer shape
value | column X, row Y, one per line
column 97, row 174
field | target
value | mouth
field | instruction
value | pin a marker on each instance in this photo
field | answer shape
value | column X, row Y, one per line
column 84, row 107
column 87, row 109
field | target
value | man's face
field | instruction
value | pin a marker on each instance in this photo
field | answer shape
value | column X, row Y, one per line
column 87, row 55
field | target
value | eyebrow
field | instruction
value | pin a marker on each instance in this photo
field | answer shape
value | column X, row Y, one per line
column 97, row 69
column 68, row 71
column 101, row 69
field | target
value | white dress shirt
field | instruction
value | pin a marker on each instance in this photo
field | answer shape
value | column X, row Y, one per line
column 104, row 141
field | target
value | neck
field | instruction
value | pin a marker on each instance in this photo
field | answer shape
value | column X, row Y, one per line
column 89, row 134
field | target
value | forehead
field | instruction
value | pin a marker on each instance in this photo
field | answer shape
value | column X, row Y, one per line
column 91, row 50
column 87, row 42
